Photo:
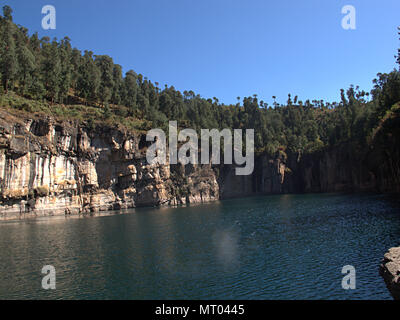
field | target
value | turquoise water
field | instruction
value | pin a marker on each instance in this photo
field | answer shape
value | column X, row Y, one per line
column 272, row 247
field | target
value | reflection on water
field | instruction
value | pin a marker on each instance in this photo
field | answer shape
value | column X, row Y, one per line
column 276, row 247
column 227, row 248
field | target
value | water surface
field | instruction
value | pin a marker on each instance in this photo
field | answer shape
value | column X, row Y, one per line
column 272, row 247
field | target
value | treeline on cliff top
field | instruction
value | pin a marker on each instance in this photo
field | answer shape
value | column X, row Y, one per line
column 46, row 76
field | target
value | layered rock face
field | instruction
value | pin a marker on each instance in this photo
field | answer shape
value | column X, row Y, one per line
column 56, row 168
column 390, row 271
column 51, row 168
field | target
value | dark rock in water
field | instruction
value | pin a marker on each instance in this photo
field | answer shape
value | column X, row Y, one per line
column 390, row 271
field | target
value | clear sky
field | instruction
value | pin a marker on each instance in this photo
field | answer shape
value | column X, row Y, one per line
column 230, row 48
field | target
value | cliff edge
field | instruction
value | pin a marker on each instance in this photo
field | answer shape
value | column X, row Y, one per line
column 57, row 167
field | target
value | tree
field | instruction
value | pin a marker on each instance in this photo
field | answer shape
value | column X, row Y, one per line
column 51, row 69
column 7, row 13
column 107, row 111
column 105, row 65
column 398, row 52
column 76, row 60
column 40, row 68
column 8, row 60
column 65, row 52
column 27, row 65
column 116, row 96
column 89, row 78
column 386, row 91
column 131, row 90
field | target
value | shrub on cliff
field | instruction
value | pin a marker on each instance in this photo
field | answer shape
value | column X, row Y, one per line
column 41, row 191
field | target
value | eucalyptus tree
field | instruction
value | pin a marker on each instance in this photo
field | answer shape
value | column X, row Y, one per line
column 8, row 58
column 51, row 69
column 130, row 84
column 88, row 82
column 65, row 81
column 105, row 65
column 26, row 63
column 117, row 90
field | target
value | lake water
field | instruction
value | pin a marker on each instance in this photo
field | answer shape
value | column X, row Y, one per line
column 272, row 247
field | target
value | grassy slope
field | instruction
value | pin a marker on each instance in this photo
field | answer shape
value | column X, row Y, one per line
column 91, row 115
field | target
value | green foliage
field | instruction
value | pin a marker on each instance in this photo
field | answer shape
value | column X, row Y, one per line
column 8, row 58
column 7, row 13
column 107, row 112
column 398, row 52
column 39, row 76
column 386, row 91
column 41, row 191
column 105, row 66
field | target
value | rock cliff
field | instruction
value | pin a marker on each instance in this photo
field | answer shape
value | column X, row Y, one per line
column 48, row 167
column 53, row 168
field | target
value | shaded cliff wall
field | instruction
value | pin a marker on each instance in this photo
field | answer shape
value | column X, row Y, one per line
column 345, row 168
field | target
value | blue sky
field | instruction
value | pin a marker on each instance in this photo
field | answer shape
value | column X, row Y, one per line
column 230, row 48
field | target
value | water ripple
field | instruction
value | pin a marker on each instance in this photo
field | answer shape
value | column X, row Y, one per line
column 276, row 247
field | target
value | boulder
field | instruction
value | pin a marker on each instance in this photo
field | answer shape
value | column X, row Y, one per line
column 390, row 271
